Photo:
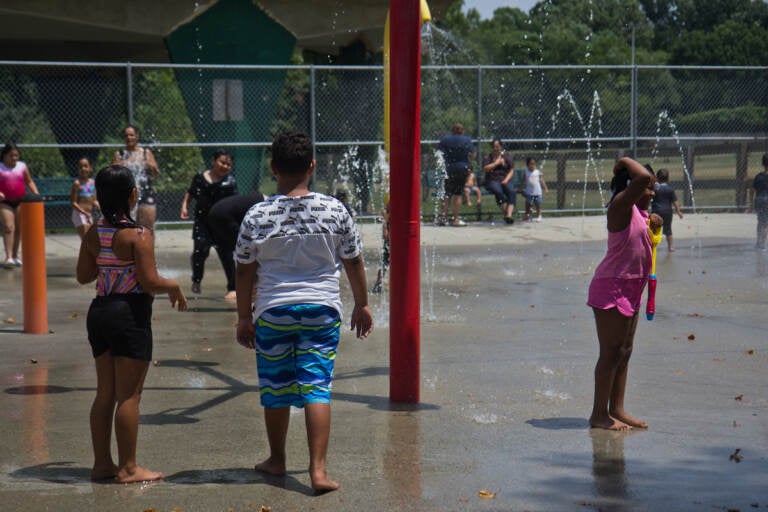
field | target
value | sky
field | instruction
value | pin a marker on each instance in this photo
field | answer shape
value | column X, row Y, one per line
column 486, row 7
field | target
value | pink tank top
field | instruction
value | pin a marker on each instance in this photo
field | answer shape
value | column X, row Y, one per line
column 629, row 251
column 12, row 181
column 115, row 275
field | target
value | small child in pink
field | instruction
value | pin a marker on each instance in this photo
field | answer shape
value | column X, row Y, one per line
column 615, row 292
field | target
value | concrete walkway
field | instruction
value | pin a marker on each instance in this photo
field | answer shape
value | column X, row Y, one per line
column 508, row 349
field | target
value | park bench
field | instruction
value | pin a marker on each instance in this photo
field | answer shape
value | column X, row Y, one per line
column 55, row 191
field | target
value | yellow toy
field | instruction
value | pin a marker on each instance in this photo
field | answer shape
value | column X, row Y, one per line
column 650, row 306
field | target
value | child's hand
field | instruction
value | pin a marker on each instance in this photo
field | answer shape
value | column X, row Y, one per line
column 655, row 221
column 362, row 321
column 178, row 299
column 246, row 332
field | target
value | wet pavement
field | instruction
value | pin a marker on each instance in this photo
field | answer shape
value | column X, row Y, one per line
column 508, row 348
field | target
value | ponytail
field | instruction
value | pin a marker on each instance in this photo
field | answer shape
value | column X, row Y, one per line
column 114, row 185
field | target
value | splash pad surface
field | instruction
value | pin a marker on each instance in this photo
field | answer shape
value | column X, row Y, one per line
column 507, row 362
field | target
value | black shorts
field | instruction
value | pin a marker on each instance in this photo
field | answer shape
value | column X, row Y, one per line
column 122, row 325
column 457, row 177
column 666, row 219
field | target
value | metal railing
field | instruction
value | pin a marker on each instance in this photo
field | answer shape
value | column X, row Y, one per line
column 707, row 125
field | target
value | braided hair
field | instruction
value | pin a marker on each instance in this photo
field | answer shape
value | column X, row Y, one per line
column 114, row 185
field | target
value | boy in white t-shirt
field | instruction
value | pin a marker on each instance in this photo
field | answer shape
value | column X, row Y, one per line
column 292, row 246
column 535, row 187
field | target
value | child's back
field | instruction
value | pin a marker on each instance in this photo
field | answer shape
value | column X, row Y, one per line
column 299, row 244
column 292, row 247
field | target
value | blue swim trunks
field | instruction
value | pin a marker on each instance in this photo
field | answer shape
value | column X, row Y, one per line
column 295, row 352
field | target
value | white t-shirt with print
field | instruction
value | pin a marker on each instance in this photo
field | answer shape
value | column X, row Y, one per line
column 299, row 243
column 533, row 182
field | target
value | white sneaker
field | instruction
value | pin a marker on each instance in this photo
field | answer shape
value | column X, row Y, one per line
column 538, row 219
column 17, row 262
column 9, row 263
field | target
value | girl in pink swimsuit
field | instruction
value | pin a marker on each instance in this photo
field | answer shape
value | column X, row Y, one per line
column 615, row 292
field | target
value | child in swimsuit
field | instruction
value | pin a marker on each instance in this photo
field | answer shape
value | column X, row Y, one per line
column 83, row 197
column 120, row 256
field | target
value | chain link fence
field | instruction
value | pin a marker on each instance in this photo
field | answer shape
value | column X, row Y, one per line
column 708, row 126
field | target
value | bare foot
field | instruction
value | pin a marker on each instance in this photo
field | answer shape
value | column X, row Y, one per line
column 629, row 420
column 105, row 473
column 271, row 467
column 138, row 474
column 608, row 423
column 321, row 482
column 231, row 296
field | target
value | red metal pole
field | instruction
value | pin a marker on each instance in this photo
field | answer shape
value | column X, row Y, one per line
column 34, row 286
column 404, row 159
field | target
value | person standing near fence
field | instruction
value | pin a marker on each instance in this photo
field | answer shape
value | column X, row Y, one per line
column 457, row 151
column 15, row 179
column 759, row 198
column 83, row 197
column 142, row 164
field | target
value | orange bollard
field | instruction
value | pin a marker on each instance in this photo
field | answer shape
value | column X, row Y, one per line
column 35, row 288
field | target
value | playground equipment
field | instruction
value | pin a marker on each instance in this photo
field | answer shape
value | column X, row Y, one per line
column 34, row 286
column 403, row 41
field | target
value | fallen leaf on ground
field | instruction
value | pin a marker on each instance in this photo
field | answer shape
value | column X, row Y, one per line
column 750, row 352
column 735, row 425
column 485, row 493
column 717, row 360
column 735, row 456
column 33, row 361
column 73, row 315
column 738, row 398
column 680, row 372
column 696, row 315
column 691, row 337
column 156, row 363
column 10, row 320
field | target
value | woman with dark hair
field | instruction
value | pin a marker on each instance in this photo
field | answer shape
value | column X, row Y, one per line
column 142, row 164
column 501, row 179
column 15, row 178
column 758, row 193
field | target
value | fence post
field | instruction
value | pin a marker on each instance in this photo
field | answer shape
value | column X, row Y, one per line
column 690, row 153
column 633, row 101
column 562, row 193
column 741, row 175
column 312, row 111
column 129, row 91
column 479, row 114
column 34, row 286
